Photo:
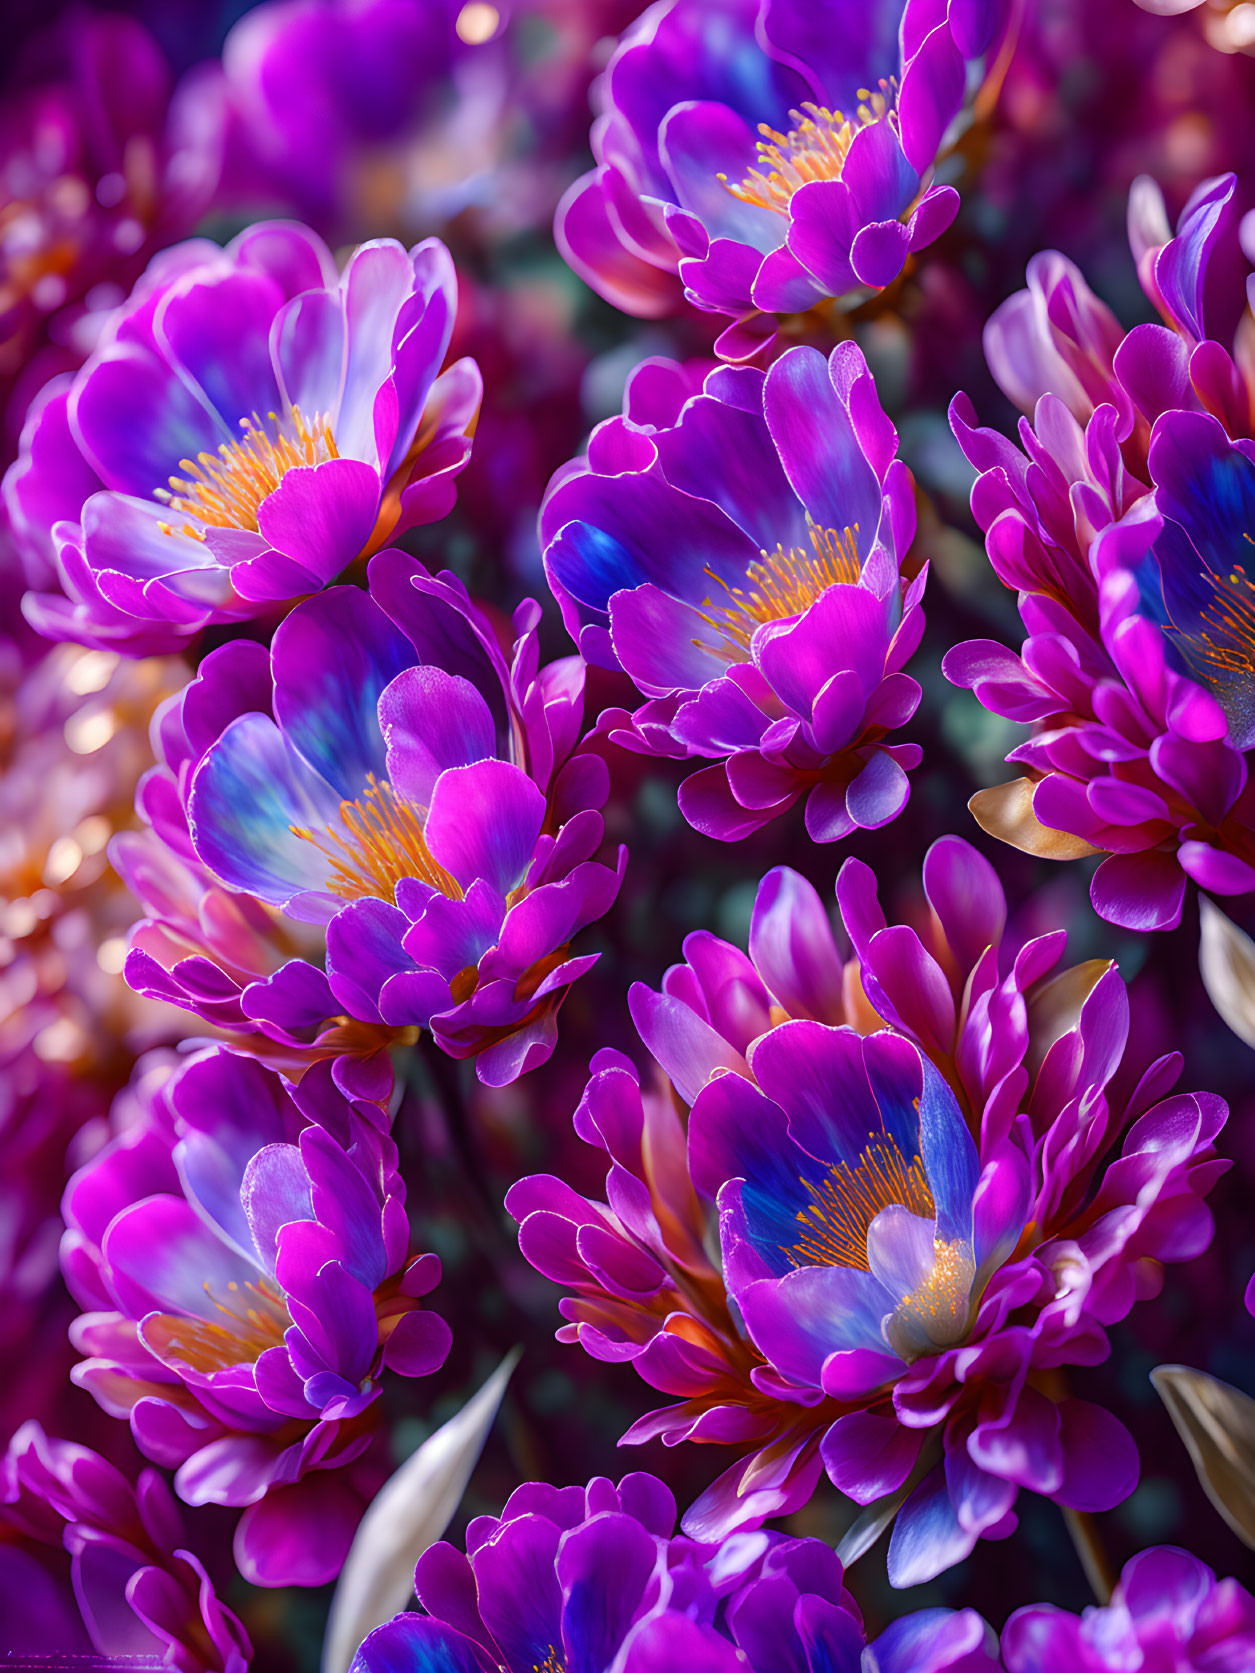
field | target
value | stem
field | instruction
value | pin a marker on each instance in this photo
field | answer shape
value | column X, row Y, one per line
column 1093, row 1553
column 433, row 1075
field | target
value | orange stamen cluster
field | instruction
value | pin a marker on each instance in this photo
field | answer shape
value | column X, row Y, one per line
column 781, row 585
column 815, row 148
column 225, row 489
column 842, row 1207
column 255, row 1317
column 381, row 842
column 1226, row 642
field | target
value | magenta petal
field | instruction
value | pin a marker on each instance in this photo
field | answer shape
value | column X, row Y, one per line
column 418, row 1345
column 792, row 947
column 588, row 238
column 852, row 1374
column 879, row 253
column 322, row 514
column 868, row 1455
column 298, row 1536
column 1212, row 868
column 668, row 1641
column 933, row 214
column 1100, row 1461
column 135, row 420
column 929, row 98
column 163, row 1255
column 1139, row 891
column 823, row 227
column 689, row 1049
column 431, row 721
column 815, row 1314
column 879, row 793
column 217, row 326
column 484, row 822
column 1026, row 1449
column 707, row 802
column 702, row 141
column 980, row 1500
column 827, row 817
column 783, row 286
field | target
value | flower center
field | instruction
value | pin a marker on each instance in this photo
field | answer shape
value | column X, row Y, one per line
column 254, row 1318
column 841, row 1208
column 224, row 490
column 935, row 1314
column 815, row 148
column 553, row 1663
column 381, row 843
column 1224, row 642
column 780, row 585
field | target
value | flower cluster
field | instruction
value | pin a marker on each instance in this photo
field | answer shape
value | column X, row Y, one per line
column 596, row 1577
column 245, row 1265
column 124, row 1546
column 72, row 745
column 328, row 714
column 402, row 790
column 736, row 548
column 901, row 1151
column 249, row 425
column 1121, row 527
column 761, row 157
column 1167, row 1605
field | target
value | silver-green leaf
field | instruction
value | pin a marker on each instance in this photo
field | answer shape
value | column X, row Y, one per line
column 1217, row 1424
column 1226, row 960
column 409, row 1513
column 868, row 1525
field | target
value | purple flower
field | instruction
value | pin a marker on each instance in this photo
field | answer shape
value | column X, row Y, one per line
column 223, row 955
column 737, row 551
column 828, row 203
column 246, row 1264
column 99, row 168
column 1169, row 1610
column 905, row 1151
column 1122, row 531
column 596, row 1578
column 402, row 793
column 248, row 425
column 140, row 1592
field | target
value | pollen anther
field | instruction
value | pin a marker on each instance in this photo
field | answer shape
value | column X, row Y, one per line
column 381, row 842
column 834, row 1223
column 1224, row 643
column 225, row 490
column 780, row 585
column 814, row 148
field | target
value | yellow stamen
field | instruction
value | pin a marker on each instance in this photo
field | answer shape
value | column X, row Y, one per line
column 815, row 148
column 225, row 489
column 844, row 1205
column 255, row 1315
column 381, row 843
column 783, row 584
